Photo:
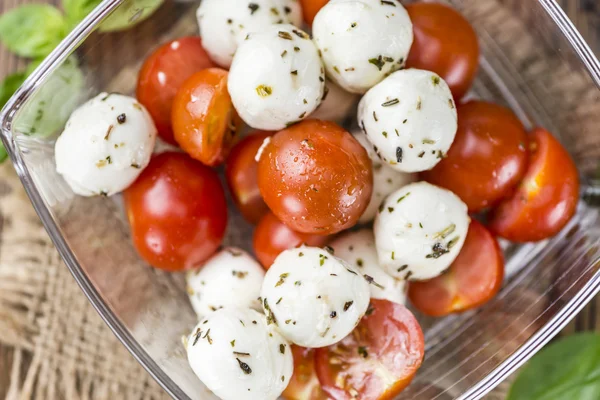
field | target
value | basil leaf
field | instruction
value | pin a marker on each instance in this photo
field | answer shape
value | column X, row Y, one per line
column 32, row 30
column 565, row 370
column 9, row 86
column 76, row 10
column 130, row 13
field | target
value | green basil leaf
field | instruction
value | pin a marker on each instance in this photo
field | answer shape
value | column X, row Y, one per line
column 3, row 153
column 568, row 369
column 76, row 10
column 130, row 13
column 9, row 86
column 32, row 30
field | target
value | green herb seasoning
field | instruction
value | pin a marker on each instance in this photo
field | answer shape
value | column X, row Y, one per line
column 435, row 80
column 378, row 62
column 285, row 35
column 399, row 154
column 362, row 351
column 232, row 343
column 264, row 90
column 402, row 198
column 108, row 131
column 282, row 279
column 283, row 54
column 282, row 348
column 300, row 34
column 347, row 305
column 253, row 8
column 245, row 367
column 333, row 314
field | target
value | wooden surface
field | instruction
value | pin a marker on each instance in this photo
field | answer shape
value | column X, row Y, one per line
column 585, row 14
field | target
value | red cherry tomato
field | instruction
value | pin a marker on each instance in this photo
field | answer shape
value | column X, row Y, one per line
column 272, row 236
column 204, row 120
column 315, row 177
column 546, row 198
column 241, row 174
column 377, row 360
column 163, row 73
column 472, row 280
column 445, row 43
column 304, row 384
column 488, row 157
column 310, row 8
column 177, row 212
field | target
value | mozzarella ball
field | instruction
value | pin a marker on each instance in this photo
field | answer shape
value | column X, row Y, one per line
column 106, row 144
column 362, row 41
column 225, row 23
column 419, row 231
column 358, row 248
column 238, row 357
column 385, row 180
column 337, row 104
column 276, row 78
column 313, row 297
column 231, row 277
column 410, row 119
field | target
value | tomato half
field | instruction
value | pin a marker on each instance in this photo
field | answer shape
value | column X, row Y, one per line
column 304, row 384
column 445, row 43
column 546, row 198
column 310, row 8
column 204, row 120
column 488, row 157
column 177, row 212
column 377, row 360
column 241, row 174
column 272, row 236
column 315, row 177
column 163, row 73
column 472, row 280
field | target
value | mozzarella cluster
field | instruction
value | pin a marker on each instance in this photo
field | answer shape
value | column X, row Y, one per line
column 230, row 278
column 419, row 231
column 276, row 78
column 362, row 41
column 314, row 298
column 105, row 145
column 224, row 24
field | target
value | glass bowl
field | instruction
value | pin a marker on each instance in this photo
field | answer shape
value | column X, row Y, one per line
column 533, row 60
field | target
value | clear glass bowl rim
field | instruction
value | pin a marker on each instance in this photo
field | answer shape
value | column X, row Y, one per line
column 69, row 45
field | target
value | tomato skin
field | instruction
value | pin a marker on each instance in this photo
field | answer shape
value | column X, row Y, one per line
column 445, row 43
column 163, row 73
column 203, row 118
column 177, row 212
column 304, row 384
column 310, row 8
column 272, row 236
column 315, row 177
column 391, row 338
column 488, row 157
column 545, row 200
column 472, row 280
column 241, row 174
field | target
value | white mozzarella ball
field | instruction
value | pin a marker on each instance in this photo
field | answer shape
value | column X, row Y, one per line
column 385, row 180
column 231, row 277
column 225, row 23
column 419, row 231
column 337, row 104
column 313, row 297
column 358, row 249
column 410, row 119
column 106, row 144
column 238, row 357
column 276, row 78
column 362, row 41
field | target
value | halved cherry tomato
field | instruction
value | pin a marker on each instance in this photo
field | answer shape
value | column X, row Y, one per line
column 204, row 120
column 177, row 212
column 162, row 75
column 310, row 8
column 488, row 157
column 472, row 280
column 304, row 384
column 241, row 174
column 315, row 177
column 377, row 360
column 546, row 198
column 272, row 236
column 445, row 43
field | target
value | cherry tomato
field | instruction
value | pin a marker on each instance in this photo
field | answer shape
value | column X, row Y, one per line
column 203, row 117
column 310, row 8
column 546, row 198
column 163, row 73
column 488, row 157
column 315, row 177
column 177, row 212
column 304, row 384
column 377, row 360
column 272, row 236
column 473, row 278
column 445, row 43
column 241, row 174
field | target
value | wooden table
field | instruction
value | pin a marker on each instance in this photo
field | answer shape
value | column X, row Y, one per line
column 585, row 14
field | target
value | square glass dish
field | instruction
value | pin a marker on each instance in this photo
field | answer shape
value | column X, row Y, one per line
column 533, row 60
